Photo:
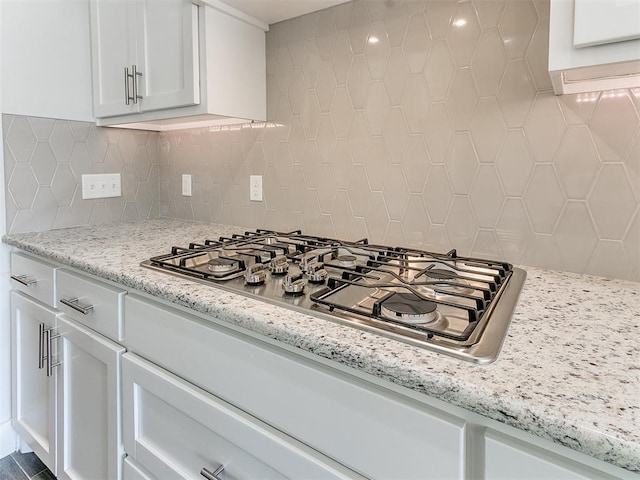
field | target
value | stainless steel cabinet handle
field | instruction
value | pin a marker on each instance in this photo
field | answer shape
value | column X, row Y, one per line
column 74, row 303
column 209, row 475
column 24, row 280
column 40, row 345
column 135, row 76
column 127, row 97
column 49, row 340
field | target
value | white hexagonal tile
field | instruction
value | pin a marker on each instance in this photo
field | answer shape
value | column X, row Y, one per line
column 377, row 50
column 462, row 163
column 489, row 62
column 395, row 192
column 283, row 69
column 342, row 112
column 341, row 215
column 417, row 42
column 513, row 230
column 63, row 185
column 438, row 194
column 415, row 222
column 394, row 234
column 439, row 14
column 23, row 222
column 376, row 217
column 129, row 183
column 62, row 141
column 609, row 260
column 22, row 185
column 341, row 56
column 326, row 88
column 311, row 212
column 577, row 162
column 311, row 63
column 439, row 71
column 396, row 20
column 464, row 34
column 311, row 164
column 575, row 236
column 577, row 108
column 415, row 103
column 42, row 127
column 21, row 139
column 144, row 200
column 514, row 163
column 43, row 163
column 462, row 100
column 631, row 243
column 395, row 76
column 142, row 163
column 487, row 196
column 545, row 127
column 486, row 245
column 612, row 212
column 537, row 56
column 377, row 164
column 113, row 162
column 342, row 164
column 80, row 130
column 543, row 252
column 44, row 208
column 297, row 140
column 376, row 108
column 544, row 199
column 327, row 188
column 632, row 164
column 256, row 160
column 359, row 138
column 359, row 81
column 461, row 225
column 326, row 139
column 358, row 191
column 516, row 95
column 613, row 124
column 489, row 13
column 488, row 129
column 437, row 132
column 296, row 91
column 326, row 34
column 395, row 135
column 310, row 115
column 359, row 24
column 416, row 164
column 516, row 27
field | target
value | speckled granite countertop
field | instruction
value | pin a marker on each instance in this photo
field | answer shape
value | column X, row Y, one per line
column 569, row 370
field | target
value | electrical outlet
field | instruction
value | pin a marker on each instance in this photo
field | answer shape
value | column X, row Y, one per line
column 255, row 188
column 103, row 185
column 186, row 185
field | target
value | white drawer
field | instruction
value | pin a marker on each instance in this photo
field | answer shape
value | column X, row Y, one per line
column 34, row 277
column 94, row 304
column 173, row 430
column 366, row 428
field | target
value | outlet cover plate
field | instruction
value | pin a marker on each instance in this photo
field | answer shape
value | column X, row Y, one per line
column 255, row 188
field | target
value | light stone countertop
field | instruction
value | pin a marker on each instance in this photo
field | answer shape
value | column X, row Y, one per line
column 569, row 370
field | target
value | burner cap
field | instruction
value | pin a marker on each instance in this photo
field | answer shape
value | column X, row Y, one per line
column 441, row 274
column 408, row 308
column 348, row 261
column 222, row 266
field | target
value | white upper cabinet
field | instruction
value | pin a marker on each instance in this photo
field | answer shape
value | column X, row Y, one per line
column 594, row 45
column 144, row 55
column 194, row 65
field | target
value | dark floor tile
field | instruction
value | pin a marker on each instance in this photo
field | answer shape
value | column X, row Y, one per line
column 9, row 470
column 29, row 462
column 44, row 475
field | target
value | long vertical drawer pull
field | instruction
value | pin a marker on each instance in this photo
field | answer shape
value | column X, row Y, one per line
column 24, row 280
column 209, row 475
column 40, row 345
column 73, row 303
column 49, row 339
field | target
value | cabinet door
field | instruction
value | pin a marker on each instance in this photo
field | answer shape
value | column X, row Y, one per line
column 167, row 53
column 113, row 48
column 33, row 402
column 173, row 429
column 89, row 423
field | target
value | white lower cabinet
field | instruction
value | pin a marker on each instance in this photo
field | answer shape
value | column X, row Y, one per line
column 88, row 413
column 33, row 392
column 176, row 430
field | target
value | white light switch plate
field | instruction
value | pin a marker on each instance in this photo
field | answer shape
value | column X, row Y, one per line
column 103, row 185
column 186, row 185
column 255, row 188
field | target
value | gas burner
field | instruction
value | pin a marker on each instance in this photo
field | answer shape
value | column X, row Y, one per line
column 445, row 280
column 347, row 261
column 256, row 275
column 222, row 266
column 294, row 285
column 408, row 308
column 279, row 265
column 315, row 272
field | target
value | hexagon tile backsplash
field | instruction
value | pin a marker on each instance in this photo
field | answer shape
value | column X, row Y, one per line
column 422, row 123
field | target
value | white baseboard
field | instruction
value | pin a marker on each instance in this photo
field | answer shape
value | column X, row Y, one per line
column 8, row 439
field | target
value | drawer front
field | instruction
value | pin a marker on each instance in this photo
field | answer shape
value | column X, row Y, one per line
column 364, row 427
column 92, row 303
column 33, row 277
column 173, row 430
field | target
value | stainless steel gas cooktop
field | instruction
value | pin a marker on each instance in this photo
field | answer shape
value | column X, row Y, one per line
column 454, row 305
